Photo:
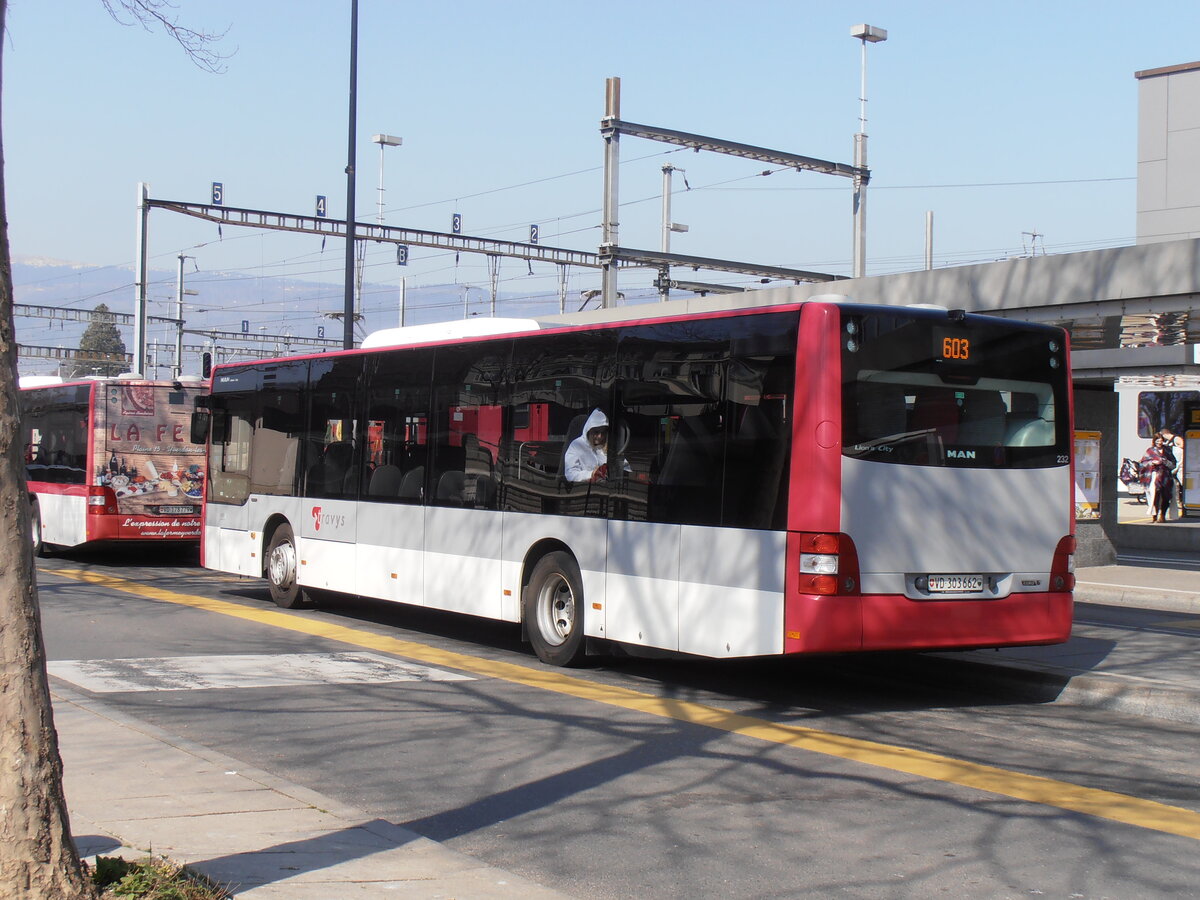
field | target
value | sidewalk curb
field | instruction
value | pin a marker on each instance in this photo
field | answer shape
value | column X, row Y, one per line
column 1137, row 597
column 1129, row 695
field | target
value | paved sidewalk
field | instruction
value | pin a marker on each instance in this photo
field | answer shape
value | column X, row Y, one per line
column 263, row 838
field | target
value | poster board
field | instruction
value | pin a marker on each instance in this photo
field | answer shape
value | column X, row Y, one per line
column 1189, row 469
column 1087, row 475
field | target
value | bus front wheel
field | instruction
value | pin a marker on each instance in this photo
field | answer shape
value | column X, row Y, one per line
column 554, row 610
column 35, row 523
column 282, row 570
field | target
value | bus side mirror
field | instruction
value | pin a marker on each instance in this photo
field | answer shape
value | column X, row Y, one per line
column 200, row 420
column 206, row 364
column 220, row 426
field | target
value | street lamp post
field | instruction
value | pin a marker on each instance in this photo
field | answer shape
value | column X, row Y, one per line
column 867, row 34
column 351, row 164
column 180, row 292
column 384, row 140
column 668, row 226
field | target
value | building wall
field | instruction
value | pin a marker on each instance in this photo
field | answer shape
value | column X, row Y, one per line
column 1168, row 185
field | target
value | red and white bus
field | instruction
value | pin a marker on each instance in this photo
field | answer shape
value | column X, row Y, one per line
column 111, row 459
column 815, row 477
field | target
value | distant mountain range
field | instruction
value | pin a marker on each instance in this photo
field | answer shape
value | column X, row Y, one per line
column 264, row 308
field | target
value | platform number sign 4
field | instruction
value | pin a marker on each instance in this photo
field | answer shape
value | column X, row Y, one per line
column 322, row 206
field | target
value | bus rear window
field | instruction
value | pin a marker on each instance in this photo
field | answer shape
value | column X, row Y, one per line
column 979, row 393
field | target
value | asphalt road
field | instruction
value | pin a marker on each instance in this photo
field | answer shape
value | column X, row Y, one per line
column 853, row 776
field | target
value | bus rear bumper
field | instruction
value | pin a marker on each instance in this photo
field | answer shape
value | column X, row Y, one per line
column 817, row 624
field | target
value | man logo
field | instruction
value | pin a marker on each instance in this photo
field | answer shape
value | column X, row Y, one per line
column 960, row 454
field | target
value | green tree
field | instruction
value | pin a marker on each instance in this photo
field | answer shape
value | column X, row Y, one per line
column 38, row 860
column 101, row 349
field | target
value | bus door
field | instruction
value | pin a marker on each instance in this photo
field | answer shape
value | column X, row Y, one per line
column 391, row 514
column 334, row 462
column 463, row 534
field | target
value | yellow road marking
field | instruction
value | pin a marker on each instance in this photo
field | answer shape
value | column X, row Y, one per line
column 1032, row 788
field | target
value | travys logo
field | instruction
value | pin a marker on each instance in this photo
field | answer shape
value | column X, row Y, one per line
column 324, row 518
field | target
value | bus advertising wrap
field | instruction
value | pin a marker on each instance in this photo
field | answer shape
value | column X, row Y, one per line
column 143, row 453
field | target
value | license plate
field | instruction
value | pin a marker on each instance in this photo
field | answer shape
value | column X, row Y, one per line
column 955, row 584
column 176, row 510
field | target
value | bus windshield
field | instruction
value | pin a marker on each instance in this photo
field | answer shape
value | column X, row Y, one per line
column 922, row 390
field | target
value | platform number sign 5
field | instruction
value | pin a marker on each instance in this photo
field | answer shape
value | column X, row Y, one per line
column 218, row 193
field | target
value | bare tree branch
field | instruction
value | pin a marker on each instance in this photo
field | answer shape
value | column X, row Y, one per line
column 200, row 46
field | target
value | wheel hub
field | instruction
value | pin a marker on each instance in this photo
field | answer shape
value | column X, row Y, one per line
column 281, row 565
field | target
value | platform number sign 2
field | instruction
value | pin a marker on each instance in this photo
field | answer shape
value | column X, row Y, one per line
column 218, row 193
column 534, row 233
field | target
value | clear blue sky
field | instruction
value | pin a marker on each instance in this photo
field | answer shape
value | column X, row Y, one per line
column 1000, row 118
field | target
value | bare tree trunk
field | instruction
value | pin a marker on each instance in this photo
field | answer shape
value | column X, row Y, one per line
column 37, row 857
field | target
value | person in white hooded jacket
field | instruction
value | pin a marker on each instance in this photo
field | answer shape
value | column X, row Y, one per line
column 586, row 458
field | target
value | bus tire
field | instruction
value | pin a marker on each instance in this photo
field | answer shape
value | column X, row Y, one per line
column 282, row 571
column 553, row 610
column 35, row 528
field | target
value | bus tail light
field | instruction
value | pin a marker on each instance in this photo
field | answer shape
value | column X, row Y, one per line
column 828, row 564
column 1062, row 570
column 101, row 501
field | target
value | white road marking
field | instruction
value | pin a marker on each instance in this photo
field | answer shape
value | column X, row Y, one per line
column 193, row 673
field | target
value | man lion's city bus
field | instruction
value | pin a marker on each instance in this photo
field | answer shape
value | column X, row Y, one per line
column 111, row 459
column 817, row 477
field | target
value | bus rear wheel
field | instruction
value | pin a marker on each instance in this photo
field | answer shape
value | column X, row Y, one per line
column 282, row 571
column 553, row 610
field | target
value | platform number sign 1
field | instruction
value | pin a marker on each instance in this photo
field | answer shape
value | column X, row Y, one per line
column 456, row 223
column 245, row 326
column 322, row 206
column 534, row 232
column 218, row 193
